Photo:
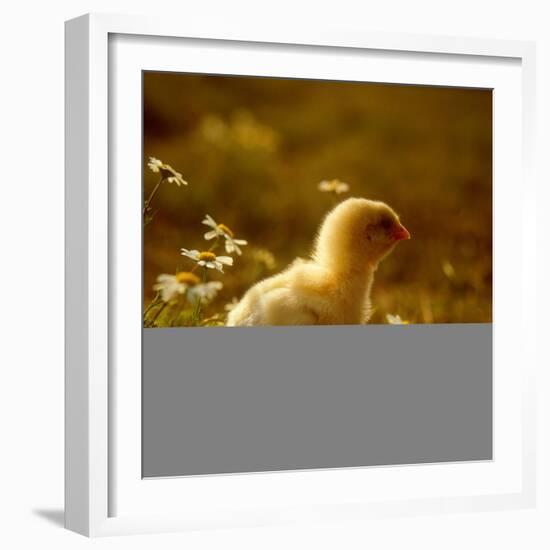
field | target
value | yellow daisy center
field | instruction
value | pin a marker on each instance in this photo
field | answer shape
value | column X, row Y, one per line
column 207, row 256
column 225, row 229
column 187, row 278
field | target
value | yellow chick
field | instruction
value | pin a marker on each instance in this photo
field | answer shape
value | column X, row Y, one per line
column 333, row 286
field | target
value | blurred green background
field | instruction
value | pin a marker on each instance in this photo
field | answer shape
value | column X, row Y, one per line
column 254, row 150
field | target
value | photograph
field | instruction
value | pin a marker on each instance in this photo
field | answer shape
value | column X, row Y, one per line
column 277, row 201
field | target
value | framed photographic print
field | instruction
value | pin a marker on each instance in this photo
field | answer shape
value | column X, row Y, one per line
column 290, row 288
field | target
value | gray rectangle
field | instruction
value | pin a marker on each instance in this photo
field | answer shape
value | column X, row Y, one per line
column 286, row 398
column 78, row 366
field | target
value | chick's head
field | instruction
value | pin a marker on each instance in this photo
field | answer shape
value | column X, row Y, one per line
column 358, row 233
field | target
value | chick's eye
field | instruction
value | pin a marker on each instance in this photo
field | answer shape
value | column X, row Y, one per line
column 386, row 224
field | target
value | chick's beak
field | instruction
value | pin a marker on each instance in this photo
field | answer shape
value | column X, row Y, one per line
column 400, row 233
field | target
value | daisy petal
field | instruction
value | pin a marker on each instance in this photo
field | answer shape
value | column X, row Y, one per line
column 210, row 235
column 342, row 188
column 209, row 220
column 164, row 278
column 193, row 254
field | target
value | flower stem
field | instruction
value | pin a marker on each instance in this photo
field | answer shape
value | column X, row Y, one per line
column 214, row 245
column 175, row 313
column 151, row 196
column 153, row 303
column 198, row 305
column 157, row 313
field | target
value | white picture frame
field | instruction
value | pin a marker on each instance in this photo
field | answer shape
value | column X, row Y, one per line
column 104, row 491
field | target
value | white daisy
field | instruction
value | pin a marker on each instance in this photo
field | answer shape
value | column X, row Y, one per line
column 166, row 171
column 207, row 259
column 206, row 292
column 395, row 320
column 333, row 186
column 221, row 230
column 231, row 305
column 171, row 286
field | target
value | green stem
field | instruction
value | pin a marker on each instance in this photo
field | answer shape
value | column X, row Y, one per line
column 214, row 245
column 175, row 313
column 157, row 313
column 198, row 305
column 151, row 196
column 153, row 303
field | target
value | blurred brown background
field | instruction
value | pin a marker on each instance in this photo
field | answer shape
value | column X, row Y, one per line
column 254, row 150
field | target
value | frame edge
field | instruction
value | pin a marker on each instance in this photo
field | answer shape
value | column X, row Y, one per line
column 83, row 511
column 77, row 365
